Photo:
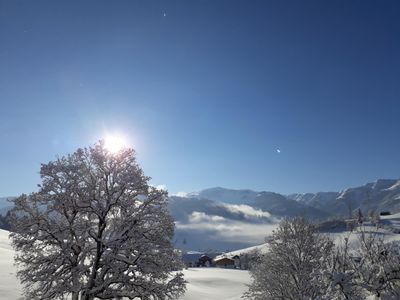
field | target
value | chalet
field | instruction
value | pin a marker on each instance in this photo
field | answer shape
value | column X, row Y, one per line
column 224, row 262
column 198, row 259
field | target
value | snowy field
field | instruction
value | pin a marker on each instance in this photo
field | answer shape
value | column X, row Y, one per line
column 204, row 283
column 9, row 284
column 215, row 284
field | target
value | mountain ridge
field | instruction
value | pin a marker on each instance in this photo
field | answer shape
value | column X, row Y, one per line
column 381, row 194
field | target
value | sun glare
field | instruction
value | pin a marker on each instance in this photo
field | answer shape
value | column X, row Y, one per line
column 115, row 142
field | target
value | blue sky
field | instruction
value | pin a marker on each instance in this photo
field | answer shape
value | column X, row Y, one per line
column 206, row 91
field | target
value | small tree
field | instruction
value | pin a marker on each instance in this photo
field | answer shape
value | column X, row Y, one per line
column 96, row 228
column 297, row 252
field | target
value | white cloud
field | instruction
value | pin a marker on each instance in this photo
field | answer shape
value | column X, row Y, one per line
column 231, row 231
column 197, row 217
column 247, row 211
column 181, row 194
column 222, row 229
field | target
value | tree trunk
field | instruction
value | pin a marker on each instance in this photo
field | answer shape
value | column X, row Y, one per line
column 75, row 295
column 87, row 297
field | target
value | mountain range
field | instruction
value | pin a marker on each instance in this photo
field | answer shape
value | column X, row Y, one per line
column 221, row 219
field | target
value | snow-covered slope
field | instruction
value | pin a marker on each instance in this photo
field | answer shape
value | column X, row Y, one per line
column 381, row 195
column 215, row 284
column 325, row 201
column 281, row 206
column 9, row 284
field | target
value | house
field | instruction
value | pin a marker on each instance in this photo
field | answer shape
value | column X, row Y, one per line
column 193, row 259
column 205, row 261
column 224, row 262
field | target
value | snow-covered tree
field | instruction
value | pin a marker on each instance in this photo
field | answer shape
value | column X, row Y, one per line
column 378, row 270
column 371, row 269
column 249, row 259
column 95, row 228
column 297, row 252
column 339, row 275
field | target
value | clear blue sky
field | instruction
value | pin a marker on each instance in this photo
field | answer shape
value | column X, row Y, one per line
column 207, row 91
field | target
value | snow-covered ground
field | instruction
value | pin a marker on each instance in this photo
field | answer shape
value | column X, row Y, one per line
column 215, row 284
column 9, row 284
column 204, row 283
column 387, row 231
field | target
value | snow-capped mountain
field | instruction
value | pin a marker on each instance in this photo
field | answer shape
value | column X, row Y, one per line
column 282, row 206
column 220, row 218
column 381, row 195
column 275, row 203
column 325, row 201
column 314, row 198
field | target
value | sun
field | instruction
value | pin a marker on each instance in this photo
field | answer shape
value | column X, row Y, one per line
column 115, row 142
